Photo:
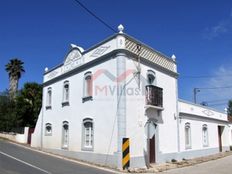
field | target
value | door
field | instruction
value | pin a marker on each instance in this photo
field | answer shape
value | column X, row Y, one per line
column 220, row 138
column 152, row 150
column 30, row 131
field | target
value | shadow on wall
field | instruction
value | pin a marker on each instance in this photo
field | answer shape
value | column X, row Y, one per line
column 154, row 115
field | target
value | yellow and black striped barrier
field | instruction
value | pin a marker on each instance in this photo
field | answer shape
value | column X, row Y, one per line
column 125, row 153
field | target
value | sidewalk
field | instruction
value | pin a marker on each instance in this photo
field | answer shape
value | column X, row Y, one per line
column 155, row 168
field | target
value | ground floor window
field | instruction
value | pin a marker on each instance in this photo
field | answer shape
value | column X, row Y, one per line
column 187, row 135
column 48, row 129
column 87, row 134
column 205, row 135
column 65, row 134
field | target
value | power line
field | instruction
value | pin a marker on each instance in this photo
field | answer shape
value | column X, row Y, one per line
column 218, row 104
column 95, row 16
column 204, row 76
column 218, row 87
column 215, row 101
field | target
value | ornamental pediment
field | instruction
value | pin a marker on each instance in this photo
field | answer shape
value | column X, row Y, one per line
column 72, row 56
column 73, row 59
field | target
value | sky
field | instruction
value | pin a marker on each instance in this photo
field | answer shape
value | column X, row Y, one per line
column 198, row 32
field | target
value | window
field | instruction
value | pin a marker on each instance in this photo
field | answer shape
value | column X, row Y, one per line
column 88, row 87
column 205, row 135
column 187, row 136
column 65, row 94
column 151, row 77
column 48, row 129
column 65, row 134
column 87, row 134
column 49, row 98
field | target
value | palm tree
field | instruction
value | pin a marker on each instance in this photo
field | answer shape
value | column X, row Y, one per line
column 15, row 69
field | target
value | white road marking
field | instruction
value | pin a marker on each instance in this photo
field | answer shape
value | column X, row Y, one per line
column 25, row 162
column 67, row 159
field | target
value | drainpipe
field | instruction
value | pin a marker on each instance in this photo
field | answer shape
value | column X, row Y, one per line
column 121, row 104
column 177, row 108
column 121, row 95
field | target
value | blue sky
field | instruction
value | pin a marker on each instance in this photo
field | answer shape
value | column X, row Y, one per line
column 198, row 32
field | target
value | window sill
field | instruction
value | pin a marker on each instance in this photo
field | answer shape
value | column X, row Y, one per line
column 188, row 148
column 48, row 134
column 66, row 103
column 85, row 99
column 87, row 149
column 48, row 107
column 64, row 147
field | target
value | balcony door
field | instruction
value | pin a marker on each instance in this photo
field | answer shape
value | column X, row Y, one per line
column 152, row 150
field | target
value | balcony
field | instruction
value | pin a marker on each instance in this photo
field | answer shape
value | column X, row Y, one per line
column 154, row 97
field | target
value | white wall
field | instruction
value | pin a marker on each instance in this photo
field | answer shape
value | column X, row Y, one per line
column 20, row 138
column 36, row 136
column 166, row 137
column 230, row 134
column 101, row 109
column 201, row 111
column 196, row 135
column 197, row 116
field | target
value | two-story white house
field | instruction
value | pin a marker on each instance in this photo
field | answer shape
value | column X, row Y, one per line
column 122, row 88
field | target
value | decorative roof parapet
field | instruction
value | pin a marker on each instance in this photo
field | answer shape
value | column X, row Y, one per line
column 151, row 55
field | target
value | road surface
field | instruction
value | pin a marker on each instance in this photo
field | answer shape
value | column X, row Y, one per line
column 18, row 160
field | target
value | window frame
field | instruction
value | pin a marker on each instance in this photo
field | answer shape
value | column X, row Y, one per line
column 49, row 98
column 150, row 74
column 47, row 133
column 205, row 130
column 87, row 90
column 91, row 135
column 63, row 132
column 189, row 144
column 65, row 101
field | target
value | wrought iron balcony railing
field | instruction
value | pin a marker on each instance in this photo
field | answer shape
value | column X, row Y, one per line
column 154, row 96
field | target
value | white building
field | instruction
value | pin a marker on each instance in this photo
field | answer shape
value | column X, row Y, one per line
column 122, row 88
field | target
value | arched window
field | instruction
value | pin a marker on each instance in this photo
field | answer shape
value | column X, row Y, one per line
column 66, row 92
column 187, row 135
column 151, row 77
column 205, row 140
column 87, row 134
column 48, row 129
column 65, row 134
column 88, row 86
column 49, row 98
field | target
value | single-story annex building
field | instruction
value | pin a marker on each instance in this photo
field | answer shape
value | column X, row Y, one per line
column 121, row 89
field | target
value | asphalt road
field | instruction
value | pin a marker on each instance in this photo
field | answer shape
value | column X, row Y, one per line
column 219, row 166
column 18, row 160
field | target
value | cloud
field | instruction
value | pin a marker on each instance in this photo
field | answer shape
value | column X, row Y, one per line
column 222, row 77
column 222, row 27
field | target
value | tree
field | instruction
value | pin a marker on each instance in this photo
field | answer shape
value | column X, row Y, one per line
column 28, row 104
column 229, row 109
column 8, row 118
column 15, row 69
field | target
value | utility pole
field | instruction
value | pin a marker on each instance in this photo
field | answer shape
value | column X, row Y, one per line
column 195, row 91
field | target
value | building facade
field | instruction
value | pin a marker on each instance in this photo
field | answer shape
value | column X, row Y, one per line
column 122, row 88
